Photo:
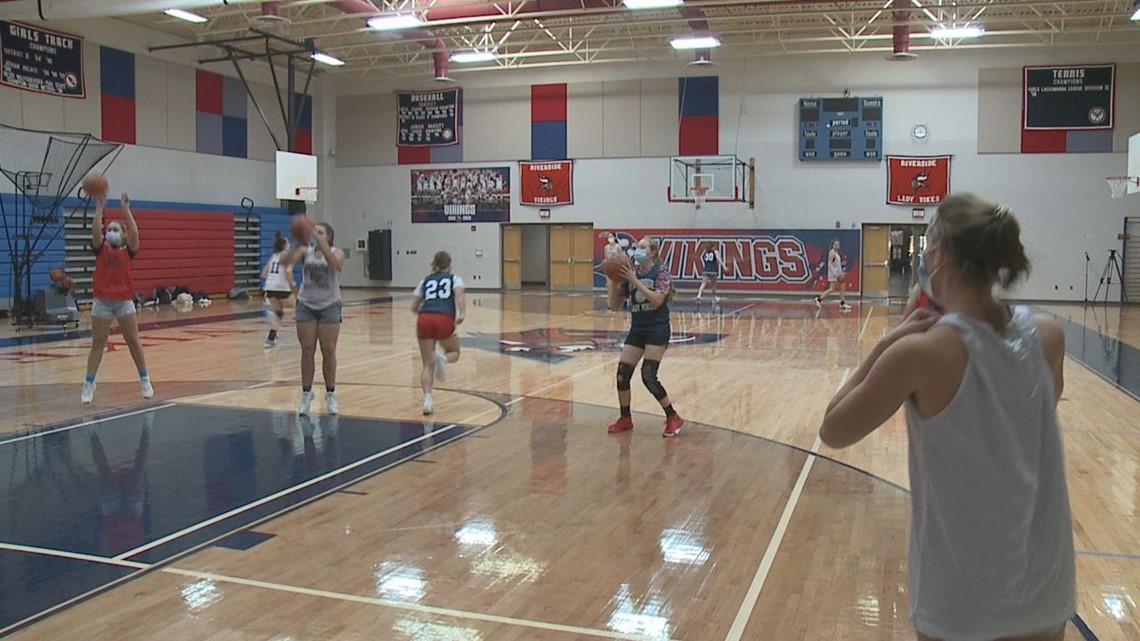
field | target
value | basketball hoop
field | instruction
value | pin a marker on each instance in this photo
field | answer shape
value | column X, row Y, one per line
column 1119, row 184
column 307, row 194
column 699, row 195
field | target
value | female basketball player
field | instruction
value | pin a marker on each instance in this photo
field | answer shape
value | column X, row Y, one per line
column 278, row 288
column 712, row 264
column 649, row 288
column 318, row 310
column 836, row 277
column 991, row 546
column 113, row 293
column 440, row 305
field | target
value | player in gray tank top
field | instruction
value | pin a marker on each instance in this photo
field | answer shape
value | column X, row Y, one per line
column 991, row 546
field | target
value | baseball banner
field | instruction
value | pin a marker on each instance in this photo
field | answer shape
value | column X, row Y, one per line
column 41, row 60
column 428, row 118
column 786, row 260
column 1069, row 97
column 481, row 195
column 547, row 183
column 917, row 180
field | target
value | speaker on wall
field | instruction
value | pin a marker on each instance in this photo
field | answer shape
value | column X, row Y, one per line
column 380, row 254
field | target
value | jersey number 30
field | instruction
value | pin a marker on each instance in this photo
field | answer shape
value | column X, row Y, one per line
column 440, row 289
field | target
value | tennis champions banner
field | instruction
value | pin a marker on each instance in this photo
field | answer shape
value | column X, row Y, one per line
column 917, row 180
column 778, row 260
column 481, row 195
column 428, row 118
column 41, row 60
column 547, row 183
column 1069, row 97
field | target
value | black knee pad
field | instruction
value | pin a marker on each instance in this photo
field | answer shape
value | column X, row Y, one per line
column 624, row 374
column 649, row 377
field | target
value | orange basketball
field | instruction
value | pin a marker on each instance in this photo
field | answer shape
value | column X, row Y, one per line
column 613, row 265
column 56, row 274
column 301, row 228
column 96, row 184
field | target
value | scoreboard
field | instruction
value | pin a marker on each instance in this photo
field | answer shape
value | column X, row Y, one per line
column 841, row 128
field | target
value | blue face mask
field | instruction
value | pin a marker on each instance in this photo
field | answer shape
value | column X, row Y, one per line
column 924, row 277
column 640, row 255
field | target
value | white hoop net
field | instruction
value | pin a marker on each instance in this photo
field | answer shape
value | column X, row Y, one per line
column 699, row 195
column 1119, row 184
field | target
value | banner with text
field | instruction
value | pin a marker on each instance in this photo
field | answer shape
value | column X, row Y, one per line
column 480, row 195
column 917, row 180
column 428, row 118
column 787, row 260
column 1069, row 97
column 41, row 60
column 547, row 183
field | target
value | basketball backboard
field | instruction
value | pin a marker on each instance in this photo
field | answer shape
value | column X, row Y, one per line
column 1134, row 162
column 296, row 176
column 720, row 178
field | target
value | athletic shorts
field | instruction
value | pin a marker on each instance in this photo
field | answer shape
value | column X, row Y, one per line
column 640, row 337
column 433, row 326
column 278, row 295
column 841, row 278
column 712, row 276
column 107, row 308
column 327, row 316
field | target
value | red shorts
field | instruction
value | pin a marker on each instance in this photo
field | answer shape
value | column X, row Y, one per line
column 435, row 326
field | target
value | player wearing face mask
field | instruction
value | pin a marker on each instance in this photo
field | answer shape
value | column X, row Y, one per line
column 113, row 293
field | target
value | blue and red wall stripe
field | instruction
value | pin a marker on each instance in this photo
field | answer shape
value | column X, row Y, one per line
column 699, row 110
column 117, row 95
column 548, row 137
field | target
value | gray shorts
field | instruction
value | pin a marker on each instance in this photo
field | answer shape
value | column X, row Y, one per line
column 326, row 316
column 107, row 309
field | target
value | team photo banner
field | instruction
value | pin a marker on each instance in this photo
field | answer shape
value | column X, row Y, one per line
column 41, row 60
column 428, row 118
column 1069, row 97
column 917, row 180
column 784, row 260
column 481, row 195
column 546, row 184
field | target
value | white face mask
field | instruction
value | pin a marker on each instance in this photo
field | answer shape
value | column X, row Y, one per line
column 925, row 276
column 640, row 254
column 115, row 237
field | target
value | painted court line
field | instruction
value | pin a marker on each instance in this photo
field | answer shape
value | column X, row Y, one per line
column 75, row 556
column 413, row 607
column 85, row 424
column 736, row 632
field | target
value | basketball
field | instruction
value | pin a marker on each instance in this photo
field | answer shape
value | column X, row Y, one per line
column 301, row 228
column 56, row 274
column 95, row 184
column 613, row 265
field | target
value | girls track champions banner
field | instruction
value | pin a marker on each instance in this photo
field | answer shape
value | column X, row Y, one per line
column 783, row 260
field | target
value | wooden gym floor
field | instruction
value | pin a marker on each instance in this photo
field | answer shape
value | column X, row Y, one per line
column 213, row 512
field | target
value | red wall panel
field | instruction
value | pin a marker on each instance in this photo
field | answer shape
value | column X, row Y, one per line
column 191, row 248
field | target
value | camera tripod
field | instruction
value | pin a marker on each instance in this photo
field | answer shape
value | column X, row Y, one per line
column 1111, row 266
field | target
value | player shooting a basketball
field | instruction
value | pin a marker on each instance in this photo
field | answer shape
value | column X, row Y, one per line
column 991, row 544
column 649, row 288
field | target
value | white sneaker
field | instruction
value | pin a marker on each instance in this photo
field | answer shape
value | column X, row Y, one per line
column 270, row 343
column 428, row 407
column 88, row 393
column 147, row 388
column 331, row 406
column 844, row 307
column 716, row 300
column 306, row 400
column 818, row 303
column 440, row 367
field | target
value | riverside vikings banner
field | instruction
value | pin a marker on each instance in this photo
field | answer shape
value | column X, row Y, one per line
column 481, row 195
column 786, row 260
column 428, row 118
column 547, row 183
column 917, row 180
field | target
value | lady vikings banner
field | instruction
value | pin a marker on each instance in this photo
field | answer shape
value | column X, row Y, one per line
column 547, row 183
column 786, row 260
column 917, row 180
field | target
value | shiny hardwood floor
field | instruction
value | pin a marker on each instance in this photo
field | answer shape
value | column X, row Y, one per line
column 532, row 522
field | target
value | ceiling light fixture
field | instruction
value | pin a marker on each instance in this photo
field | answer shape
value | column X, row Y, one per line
column 185, row 15
column 473, row 55
column 651, row 4
column 326, row 59
column 393, row 21
column 950, row 33
column 695, row 42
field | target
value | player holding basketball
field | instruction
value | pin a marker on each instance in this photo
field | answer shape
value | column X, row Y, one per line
column 278, row 288
column 113, row 293
column 991, row 546
column 649, row 288
column 439, row 305
column 712, row 265
column 318, row 309
column 836, row 277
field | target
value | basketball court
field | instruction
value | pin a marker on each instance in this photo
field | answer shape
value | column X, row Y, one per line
column 215, row 511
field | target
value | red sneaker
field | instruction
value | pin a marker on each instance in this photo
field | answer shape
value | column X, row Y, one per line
column 673, row 425
column 623, row 424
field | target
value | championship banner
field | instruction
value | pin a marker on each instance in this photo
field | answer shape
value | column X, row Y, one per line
column 41, row 60
column 917, row 180
column 428, row 118
column 481, row 195
column 547, row 183
column 1069, row 97
column 784, row 260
